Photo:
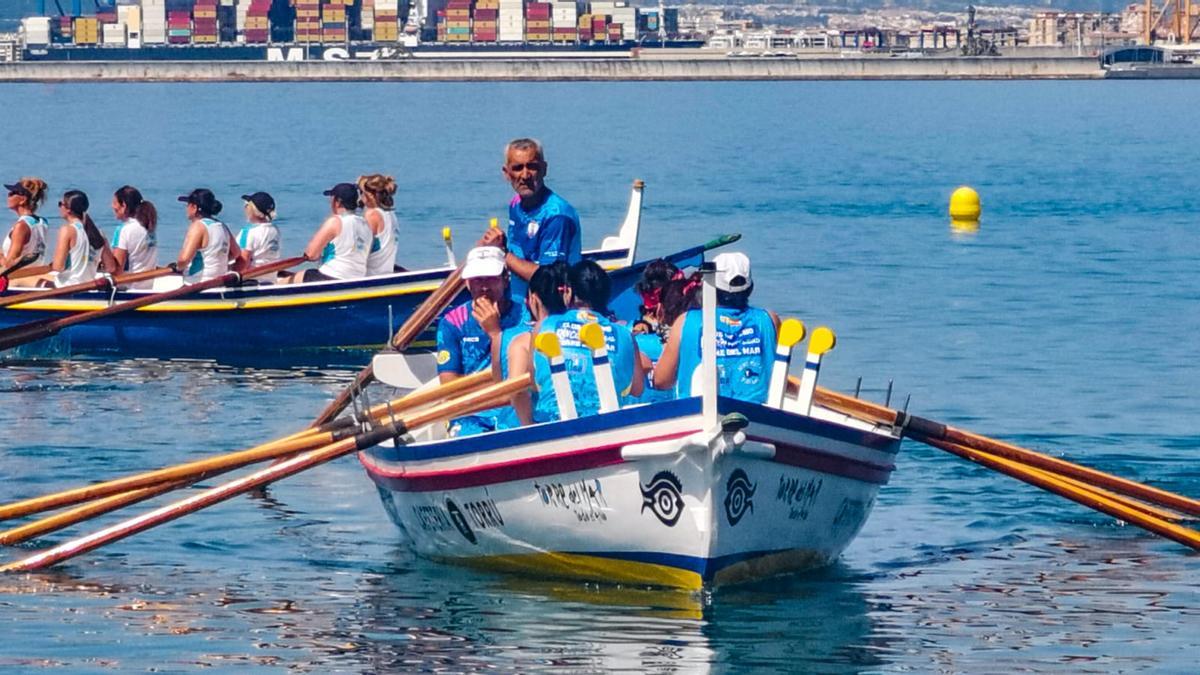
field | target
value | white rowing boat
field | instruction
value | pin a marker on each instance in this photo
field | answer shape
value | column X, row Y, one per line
column 695, row 492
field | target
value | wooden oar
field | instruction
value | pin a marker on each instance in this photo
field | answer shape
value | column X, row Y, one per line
column 1088, row 498
column 27, row 272
column 201, row 469
column 424, row 315
column 86, row 511
column 479, row 400
column 925, row 430
column 38, row 330
column 99, row 283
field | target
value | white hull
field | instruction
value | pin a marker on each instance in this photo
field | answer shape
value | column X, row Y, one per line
column 642, row 495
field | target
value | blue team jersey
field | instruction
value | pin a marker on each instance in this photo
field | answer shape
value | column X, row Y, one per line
column 652, row 346
column 746, row 342
column 546, row 234
column 578, row 361
column 464, row 348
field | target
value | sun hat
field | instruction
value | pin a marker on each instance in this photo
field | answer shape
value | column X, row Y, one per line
column 484, row 261
column 733, row 272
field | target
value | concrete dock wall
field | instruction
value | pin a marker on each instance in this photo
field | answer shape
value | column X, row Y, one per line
column 601, row 69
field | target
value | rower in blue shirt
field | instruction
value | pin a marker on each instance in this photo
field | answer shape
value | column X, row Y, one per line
column 465, row 334
column 746, row 339
column 542, row 227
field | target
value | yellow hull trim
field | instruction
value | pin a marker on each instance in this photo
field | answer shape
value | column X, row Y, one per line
column 202, row 305
column 589, row 568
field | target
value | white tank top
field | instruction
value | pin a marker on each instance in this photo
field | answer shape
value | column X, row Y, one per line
column 382, row 259
column 261, row 240
column 140, row 246
column 82, row 260
column 345, row 257
column 212, row 259
column 37, row 239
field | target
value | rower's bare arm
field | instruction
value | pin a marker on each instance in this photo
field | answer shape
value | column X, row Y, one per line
column 237, row 257
column 192, row 242
column 325, row 234
column 520, row 267
column 375, row 221
column 639, row 373
column 668, row 365
column 17, row 238
column 61, row 249
column 520, row 361
column 120, row 255
column 108, row 260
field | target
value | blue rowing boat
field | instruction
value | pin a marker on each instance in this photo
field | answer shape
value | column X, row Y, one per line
column 278, row 323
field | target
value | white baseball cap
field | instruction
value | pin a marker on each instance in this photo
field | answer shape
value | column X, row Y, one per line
column 483, row 261
column 733, row 272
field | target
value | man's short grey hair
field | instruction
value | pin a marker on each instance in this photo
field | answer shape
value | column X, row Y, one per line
column 525, row 144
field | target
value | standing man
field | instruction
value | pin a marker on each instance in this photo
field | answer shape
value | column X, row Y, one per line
column 542, row 227
column 466, row 332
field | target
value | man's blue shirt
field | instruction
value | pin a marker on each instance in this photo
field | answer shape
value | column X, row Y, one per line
column 546, row 234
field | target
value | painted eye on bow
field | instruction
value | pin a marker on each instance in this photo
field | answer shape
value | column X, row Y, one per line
column 662, row 495
column 739, row 496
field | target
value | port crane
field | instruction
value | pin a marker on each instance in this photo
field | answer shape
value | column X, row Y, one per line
column 1176, row 21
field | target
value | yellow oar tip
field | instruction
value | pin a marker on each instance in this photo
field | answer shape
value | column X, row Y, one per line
column 494, row 222
column 822, row 340
column 592, row 335
column 791, row 331
column 446, row 233
column 547, row 343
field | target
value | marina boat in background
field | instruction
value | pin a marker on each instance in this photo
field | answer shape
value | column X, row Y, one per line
column 275, row 322
column 690, row 493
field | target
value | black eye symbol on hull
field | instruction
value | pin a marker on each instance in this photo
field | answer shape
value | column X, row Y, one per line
column 662, row 496
column 739, row 496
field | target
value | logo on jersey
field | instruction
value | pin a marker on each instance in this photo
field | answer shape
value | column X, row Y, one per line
column 443, row 357
column 531, row 229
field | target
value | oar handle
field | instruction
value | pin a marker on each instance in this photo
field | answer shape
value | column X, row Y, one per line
column 27, row 259
column 93, row 285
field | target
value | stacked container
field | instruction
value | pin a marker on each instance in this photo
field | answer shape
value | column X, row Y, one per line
column 510, row 21
column 254, row 22
column 537, row 22
column 179, row 27
column 333, row 21
column 619, row 12
column 599, row 26
column 64, row 32
column 308, row 20
column 387, row 20
column 564, row 15
column 114, row 34
column 36, row 30
column 204, row 22
column 154, row 22
column 485, row 21
column 131, row 16
column 86, row 30
column 454, row 23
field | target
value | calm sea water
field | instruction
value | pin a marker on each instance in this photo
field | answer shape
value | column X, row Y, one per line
column 1067, row 323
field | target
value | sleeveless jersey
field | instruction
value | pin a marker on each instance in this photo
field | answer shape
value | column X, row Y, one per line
column 345, row 257
column 652, row 346
column 212, row 259
column 382, row 259
column 261, row 240
column 578, row 361
column 745, row 351
column 38, row 231
column 140, row 246
column 82, row 260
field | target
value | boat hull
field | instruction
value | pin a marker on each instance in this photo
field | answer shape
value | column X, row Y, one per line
column 640, row 496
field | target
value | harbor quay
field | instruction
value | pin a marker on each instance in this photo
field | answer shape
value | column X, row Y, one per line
column 562, row 68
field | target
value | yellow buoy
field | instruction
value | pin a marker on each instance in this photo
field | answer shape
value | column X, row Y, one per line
column 964, row 207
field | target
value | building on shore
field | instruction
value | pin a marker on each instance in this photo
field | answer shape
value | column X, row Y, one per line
column 1084, row 29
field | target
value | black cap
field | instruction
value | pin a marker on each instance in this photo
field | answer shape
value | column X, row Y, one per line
column 345, row 193
column 18, row 188
column 262, row 201
column 203, row 199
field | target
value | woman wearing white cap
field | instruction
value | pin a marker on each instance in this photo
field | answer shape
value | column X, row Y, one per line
column 342, row 243
column 746, row 338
